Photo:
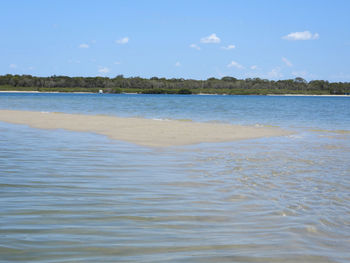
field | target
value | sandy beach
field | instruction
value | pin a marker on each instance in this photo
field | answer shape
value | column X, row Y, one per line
column 145, row 132
column 308, row 95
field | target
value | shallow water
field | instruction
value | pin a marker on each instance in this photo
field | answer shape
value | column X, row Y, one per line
column 80, row 197
column 317, row 112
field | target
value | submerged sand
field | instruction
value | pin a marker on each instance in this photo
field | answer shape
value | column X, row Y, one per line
column 146, row 132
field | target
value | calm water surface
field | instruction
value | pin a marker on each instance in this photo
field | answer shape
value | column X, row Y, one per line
column 81, row 197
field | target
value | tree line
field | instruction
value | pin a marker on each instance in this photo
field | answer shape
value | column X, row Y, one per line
column 155, row 85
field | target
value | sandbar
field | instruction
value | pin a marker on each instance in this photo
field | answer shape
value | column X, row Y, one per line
column 145, row 132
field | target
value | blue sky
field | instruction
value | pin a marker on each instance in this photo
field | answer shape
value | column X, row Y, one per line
column 189, row 39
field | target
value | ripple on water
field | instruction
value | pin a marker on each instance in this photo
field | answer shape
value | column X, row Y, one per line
column 71, row 197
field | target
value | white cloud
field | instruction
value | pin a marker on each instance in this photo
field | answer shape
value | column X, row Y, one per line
column 275, row 73
column 13, row 66
column 177, row 64
column 211, row 39
column 117, row 63
column 305, row 35
column 253, row 67
column 104, row 70
column 287, row 62
column 195, row 46
column 84, row 45
column 235, row 64
column 123, row 40
column 302, row 74
column 229, row 47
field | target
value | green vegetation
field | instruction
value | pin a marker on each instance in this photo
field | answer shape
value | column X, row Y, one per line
column 119, row 84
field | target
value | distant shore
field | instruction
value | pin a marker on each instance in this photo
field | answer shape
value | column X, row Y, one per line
column 226, row 85
column 35, row 91
column 200, row 94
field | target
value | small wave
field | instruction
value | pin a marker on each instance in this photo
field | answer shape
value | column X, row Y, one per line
column 295, row 136
column 166, row 119
column 265, row 125
column 160, row 119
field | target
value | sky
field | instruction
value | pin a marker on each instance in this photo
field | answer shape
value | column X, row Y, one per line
column 177, row 39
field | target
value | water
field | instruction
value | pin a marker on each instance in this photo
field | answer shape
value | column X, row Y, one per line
column 81, row 197
column 320, row 112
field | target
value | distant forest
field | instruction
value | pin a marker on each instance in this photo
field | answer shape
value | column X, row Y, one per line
column 154, row 85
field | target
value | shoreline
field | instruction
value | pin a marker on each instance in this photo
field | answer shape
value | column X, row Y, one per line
column 199, row 94
column 34, row 91
column 144, row 132
column 307, row 95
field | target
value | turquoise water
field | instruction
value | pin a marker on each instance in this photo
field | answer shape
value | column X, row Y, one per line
column 81, row 197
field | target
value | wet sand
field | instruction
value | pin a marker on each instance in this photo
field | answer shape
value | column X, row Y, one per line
column 145, row 132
